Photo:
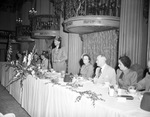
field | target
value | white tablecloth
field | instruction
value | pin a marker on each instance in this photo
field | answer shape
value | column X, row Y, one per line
column 40, row 98
column 6, row 74
column 49, row 100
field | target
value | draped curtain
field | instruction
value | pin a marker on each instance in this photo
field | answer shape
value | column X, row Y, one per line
column 43, row 44
column 132, row 40
column 148, row 45
column 104, row 43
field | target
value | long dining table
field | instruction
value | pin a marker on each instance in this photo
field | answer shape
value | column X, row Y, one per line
column 42, row 98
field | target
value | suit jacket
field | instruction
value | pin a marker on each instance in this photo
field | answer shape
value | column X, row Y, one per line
column 108, row 74
column 59, row 59
column 86, row 71
column 128, row 79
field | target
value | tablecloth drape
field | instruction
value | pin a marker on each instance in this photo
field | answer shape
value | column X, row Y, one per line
column 6, row 74
column 41, row 98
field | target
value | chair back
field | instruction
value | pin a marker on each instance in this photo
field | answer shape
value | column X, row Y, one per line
column 138, row 68
column 145, row 102
column 7, row 115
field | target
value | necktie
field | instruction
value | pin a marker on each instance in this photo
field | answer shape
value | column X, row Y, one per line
column 99, row 73
column 121, row 75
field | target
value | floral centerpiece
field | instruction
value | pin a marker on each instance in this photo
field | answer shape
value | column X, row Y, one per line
column 26, row 67
column 23, row 68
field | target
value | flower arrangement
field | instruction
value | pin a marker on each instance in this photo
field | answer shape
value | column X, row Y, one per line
column 21, row 72
column 26, row 67
column 92, row 95
column 23, row 68
column 9, row 52
column 75, row 85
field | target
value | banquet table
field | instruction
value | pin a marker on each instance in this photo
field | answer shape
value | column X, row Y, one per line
column 42, row 98
column 6, row 74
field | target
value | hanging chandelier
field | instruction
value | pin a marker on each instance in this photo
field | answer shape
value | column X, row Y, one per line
column 19, row 21
column 32, row 13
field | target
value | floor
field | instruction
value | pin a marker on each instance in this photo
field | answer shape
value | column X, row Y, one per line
column 9, row 105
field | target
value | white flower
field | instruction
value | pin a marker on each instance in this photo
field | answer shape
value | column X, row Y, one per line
column 29, row 59
column 12, row 62
column 33, row 72
column 18, row 74
column 25, row 59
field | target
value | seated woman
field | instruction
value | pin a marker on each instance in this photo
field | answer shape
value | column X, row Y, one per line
column 144, row 84
column 36, row 59
column 86, row 70
column 45, row 64
column 125, row 76
column 19, row 57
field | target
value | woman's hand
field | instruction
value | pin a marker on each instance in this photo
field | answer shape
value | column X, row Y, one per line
column 135, row 87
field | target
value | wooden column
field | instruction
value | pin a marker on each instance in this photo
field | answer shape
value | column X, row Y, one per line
column 131, row 40
column 148, row 44
column 64, row 36
column 74, row 53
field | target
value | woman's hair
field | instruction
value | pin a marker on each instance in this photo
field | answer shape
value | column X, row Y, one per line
column 126, row 61
column 45, row 54
column 17, row 55
column 58, row 39
column 87, row 56
column 36, row 54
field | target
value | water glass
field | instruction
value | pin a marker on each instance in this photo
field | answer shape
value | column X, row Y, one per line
column 62, row 74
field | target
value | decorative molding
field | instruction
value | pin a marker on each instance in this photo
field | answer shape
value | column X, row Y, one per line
column 91, row 23
column 73, row 8
column 45, row 26
column 45, row 34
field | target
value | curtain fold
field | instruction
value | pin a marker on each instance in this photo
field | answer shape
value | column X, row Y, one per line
column 148, row 45
column 74, row 53
column 131, row 40
column 43, row 44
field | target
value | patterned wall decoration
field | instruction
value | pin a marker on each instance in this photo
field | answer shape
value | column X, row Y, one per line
column 73, row 8
column 104, row 43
